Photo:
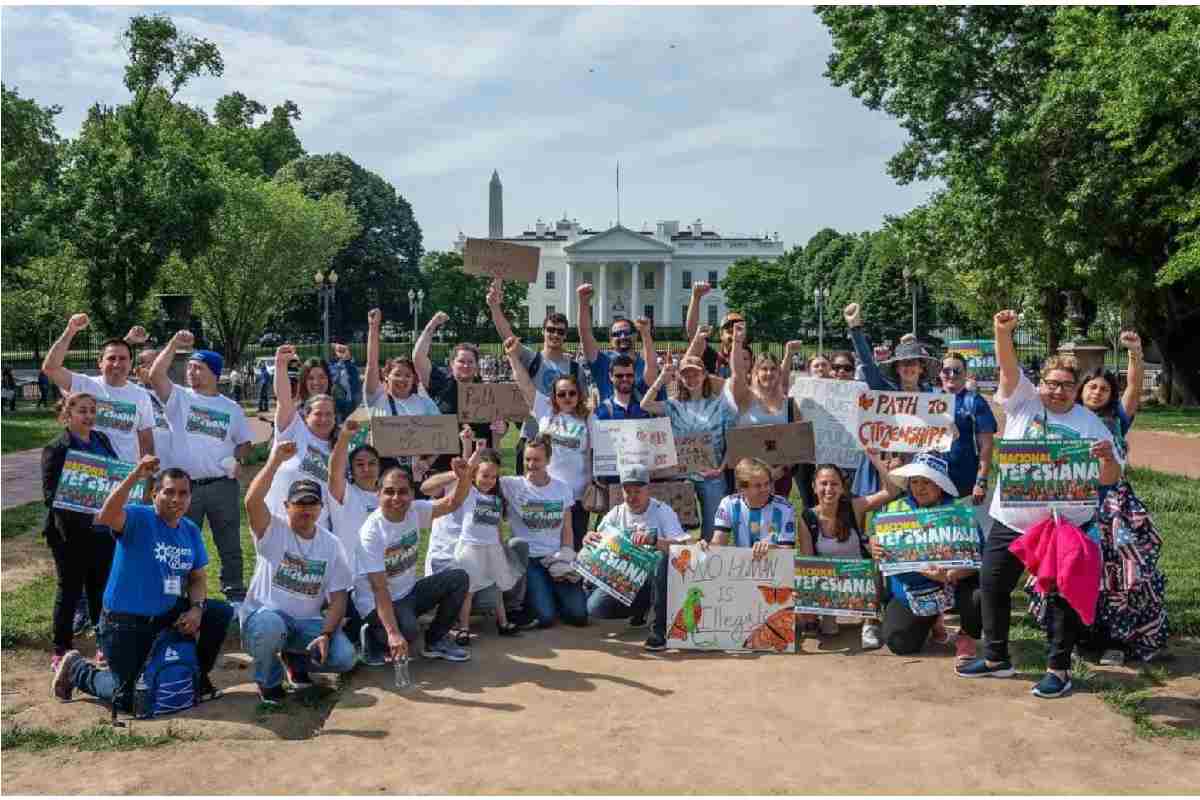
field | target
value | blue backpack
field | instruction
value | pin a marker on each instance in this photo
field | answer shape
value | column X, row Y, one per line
column 170, row 678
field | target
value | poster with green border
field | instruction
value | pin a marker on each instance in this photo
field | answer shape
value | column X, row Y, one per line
column 843, row 587
column 617, row 566
column 88, row 479
column 1045, row 472
column 942, row 536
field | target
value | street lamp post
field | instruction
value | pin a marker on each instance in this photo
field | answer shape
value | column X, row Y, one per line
column 911, row 283
column 416, row 298
column 326, row 287
column 819, row 299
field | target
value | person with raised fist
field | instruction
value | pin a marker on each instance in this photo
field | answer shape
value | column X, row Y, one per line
column 621, row 334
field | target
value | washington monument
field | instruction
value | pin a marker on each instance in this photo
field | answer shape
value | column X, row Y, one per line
column 495, row 207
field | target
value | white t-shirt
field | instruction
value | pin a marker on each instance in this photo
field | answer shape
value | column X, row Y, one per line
column 121, row 411
column 389, row 547
column 1027, row 418
column 443, row 538
column 570, row 458
column 535, row 513
column 311, row 461
column 658, row 518
column 775, row 522
column 164, row 437
column 208, row 429
column 479, row 518
column 295, row 575
column 346, row 519
column 415, row 405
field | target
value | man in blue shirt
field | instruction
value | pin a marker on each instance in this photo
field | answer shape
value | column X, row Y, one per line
column 157, row 581
column 970, row 456
column 645, row 366
column 347, row 385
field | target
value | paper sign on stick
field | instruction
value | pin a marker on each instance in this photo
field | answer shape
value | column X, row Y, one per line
column 495, row 259
column 433, row 434
column 906, row 422
column 726, row 600
column 485, row 402
column 832, row 408
column 942, row 536
column 1041, row 472
column 789, row 443
column 843, row 587
column 88, row 479
column 679, row 495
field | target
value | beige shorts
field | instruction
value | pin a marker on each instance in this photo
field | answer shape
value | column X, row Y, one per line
column 486, row 564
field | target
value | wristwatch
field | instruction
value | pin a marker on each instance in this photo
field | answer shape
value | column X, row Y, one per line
column 982, row 481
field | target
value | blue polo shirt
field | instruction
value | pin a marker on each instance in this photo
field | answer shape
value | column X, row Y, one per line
column 972, row 415
column 152, row 562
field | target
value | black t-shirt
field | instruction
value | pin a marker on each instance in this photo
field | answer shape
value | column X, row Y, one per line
column 714, row 362
column 443, row 390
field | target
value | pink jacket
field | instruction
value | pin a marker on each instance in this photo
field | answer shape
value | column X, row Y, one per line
column 1061, row 557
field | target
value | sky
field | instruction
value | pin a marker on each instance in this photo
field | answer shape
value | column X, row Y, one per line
column 721, row 114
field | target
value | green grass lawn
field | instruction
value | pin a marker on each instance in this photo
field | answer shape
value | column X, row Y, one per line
column 27, row 428
column 1170, row 419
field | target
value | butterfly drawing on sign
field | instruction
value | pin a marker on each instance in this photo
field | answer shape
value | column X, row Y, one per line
column 776, row 595
column 682, row 561
column 777, row 633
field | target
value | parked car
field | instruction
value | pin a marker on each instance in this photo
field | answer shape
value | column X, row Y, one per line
column 270, row 340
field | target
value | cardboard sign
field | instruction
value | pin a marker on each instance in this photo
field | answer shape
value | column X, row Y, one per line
column 645, row 441
column 679, row 495
column 88, row 479
column 485, row 402
column 981, row 360
column 617, row 566
column 906, row 422
column 432, row 434
column 695, row 453
column 842, row 587
column 726, row 600
column 1043, row 472
column 789, row 443
column 496, row 259
column 832, row 408
column 943, row 536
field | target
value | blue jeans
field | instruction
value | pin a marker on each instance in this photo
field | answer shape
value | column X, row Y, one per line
column 126, row 641
column 604, row 606
column 268, row 633
column 710, row 492
column 548, row 599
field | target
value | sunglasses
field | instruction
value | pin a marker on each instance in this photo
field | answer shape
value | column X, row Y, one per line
column 622, row 334
column 622, row 376
column 843, row 368
column 556, row 331
column 566, row 393
column 1062, row 386
column 952, row 371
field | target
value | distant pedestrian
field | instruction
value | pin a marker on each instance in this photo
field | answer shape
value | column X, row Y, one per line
column 10, row 389
column 264, row 387
column 43, row 390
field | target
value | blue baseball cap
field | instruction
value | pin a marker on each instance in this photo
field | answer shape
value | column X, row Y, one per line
column 209, row 359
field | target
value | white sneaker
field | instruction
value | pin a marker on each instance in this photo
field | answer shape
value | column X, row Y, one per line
column 870, row 636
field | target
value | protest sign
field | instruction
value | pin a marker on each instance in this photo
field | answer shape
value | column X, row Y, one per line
column 789, row 443
column 981, row 360
column 843, row 587
column 512, row 262
column 942, row 536
column 617, row 565
column 679, row 495
column 432, row 434
column 832, row 408
column 485, row 402
column 726, row 600
column 88, row 479
column 906, row 422
column 650, row 442
column 1041, row 472
column 695, row 453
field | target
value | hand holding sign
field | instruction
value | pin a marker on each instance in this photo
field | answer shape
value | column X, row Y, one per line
column 853, row 315
column 501, row 260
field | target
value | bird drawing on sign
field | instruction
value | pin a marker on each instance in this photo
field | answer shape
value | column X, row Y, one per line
column 687, row 619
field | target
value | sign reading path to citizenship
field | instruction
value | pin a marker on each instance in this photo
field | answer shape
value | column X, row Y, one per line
column 1040, row 472
column 906, row 422
column 429, row 434
column 843, row 587
column 495, row 259
column 726, row 600
column 88, row 479
column 486, row 402
column 942, row 536
column 617, row 565
column 832, row 408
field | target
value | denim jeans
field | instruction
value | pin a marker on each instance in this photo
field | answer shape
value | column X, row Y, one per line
column 548, row 599
column 604, row 606
column 710, row 492
column 446, row 590
column 267, row 633
column 126, row 643
column 219, row 502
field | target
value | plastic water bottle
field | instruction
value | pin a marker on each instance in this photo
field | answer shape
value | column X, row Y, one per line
column 141, row 699
column 400, row 667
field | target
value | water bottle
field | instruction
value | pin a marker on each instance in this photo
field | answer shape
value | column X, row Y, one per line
column 400, row 667
column 141, row 699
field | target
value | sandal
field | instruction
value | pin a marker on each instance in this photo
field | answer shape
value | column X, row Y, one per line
column 508, row 629
column 461, row 637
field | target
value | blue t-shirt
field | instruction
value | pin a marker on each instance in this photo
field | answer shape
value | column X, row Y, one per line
column 972, row 415
column 704, row 415
column 604, row 387
column 150, row 569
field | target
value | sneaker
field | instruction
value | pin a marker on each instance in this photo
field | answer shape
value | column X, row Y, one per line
column 979, row 669
column 54, row 661
column 1113, row 658
column 637, row 622
column 523, row 619
column 964, row 649
column 829, row 626
column 507, row 629
column 655, row 642
column 61, row 686
column 871, row 636
column 273, row 696
column 297, row 670
column 370, row 656
column 445, row 648
column 1051, row 686
column 205, row 690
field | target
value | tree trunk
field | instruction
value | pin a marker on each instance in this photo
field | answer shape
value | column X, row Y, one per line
column 1172, row 320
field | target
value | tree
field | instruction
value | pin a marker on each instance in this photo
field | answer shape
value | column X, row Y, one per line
column 134, row 188
column 464, row 297
column 53, row 288
column 378, row 266
column 258, row 150
column 1067, row 145
column 267, row 241
column 763, row 291
column 30, row 160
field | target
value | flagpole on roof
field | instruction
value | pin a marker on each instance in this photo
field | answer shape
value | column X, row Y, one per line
column 618, row 191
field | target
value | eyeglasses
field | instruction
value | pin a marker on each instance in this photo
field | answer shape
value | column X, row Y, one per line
column 622, row 376
column 841, row 367
column 556, row 331
column 953, row 372
column 566, row 393
column 1059, row 386
column 622, row 334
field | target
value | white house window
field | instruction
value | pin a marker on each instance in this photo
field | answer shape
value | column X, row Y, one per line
column 712, row 316
column 648, row 312
column 550, row 310
column 550, row 279
column 648, row 281
column 712, row 278
column 587, row 277
column 683, row 312
column 687, row 279
column 618, row 281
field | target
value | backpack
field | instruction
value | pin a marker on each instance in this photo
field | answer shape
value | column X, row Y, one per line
column 170, row 678
column 572, row 366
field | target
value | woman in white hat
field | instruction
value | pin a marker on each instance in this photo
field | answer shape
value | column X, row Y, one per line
column 915, row 601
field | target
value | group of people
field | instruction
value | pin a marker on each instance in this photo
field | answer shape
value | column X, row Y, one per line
column 337, row 527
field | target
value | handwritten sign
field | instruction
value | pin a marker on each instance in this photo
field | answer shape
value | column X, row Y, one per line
column 88, row 479
column 906, row 422
column 617, row 566
column 484, row 402
column 843, row 587
column 679, row 495
column 832, row 408
column 495, row 259
column 943, row 536
column 645, row 441
column 433, row 434
column 695, row 453
column 981, row 360
column 726, row 600
column 1042, row 472
column 789, row 443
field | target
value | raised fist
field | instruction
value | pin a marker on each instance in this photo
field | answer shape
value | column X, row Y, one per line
column 439, row 319
column 584, row 291
column 147, row 466
column 137, row 335
column 350, row 426
column 642, row 324
column 512, row 345
column 77, row 322
column 283, row 451
column 853, row 315
column 1005, row 321
column 374, row 318
column 700, row 288
column 1131, row 341
column 703, row 332
column 285, row 352
column 184, row 339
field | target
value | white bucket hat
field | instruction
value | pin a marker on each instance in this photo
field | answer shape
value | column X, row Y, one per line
column 931, row 465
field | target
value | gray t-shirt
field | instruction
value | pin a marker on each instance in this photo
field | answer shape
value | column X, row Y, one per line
column 548, row 372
